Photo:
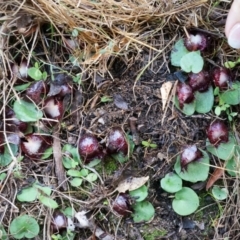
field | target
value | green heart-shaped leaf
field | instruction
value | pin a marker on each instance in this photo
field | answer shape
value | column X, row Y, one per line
column 178, row 51
column 143, row 211
column 188, row 108
column 27, row 194
column 195, row 171
column 219, row 193
column 192, row 62
column 76, row 182
column 231, row 96
column 24, row 227
column 171, row 183
column 47, row 201
column 186, row 202
column 204, row 101
column 139, row 194
column 6, row 157
column 233, row 166
column 26, row 111
column 223, row 151
column 35, row 73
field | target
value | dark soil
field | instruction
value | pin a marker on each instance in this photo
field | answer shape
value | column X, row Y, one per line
column 171, row 135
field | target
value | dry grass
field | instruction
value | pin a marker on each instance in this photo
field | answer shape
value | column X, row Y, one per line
column 106, row 29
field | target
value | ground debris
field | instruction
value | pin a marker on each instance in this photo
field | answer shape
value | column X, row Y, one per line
column 85, row 222
column 57, row 154
column 131, row 183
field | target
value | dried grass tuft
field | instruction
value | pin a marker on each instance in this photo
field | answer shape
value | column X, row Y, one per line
column 110, row 27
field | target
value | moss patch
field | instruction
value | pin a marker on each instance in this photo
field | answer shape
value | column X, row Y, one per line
column 152, row 234
column 110, row 166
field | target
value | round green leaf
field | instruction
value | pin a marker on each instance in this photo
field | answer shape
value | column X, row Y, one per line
column 230, row 64
column 219, row 193
column 48, row 152
column 139, row 194
column 69, row 212
column 178, row 51
column 69, row 163
column 27, row 194
column 188, row 108
column 74, row 32
column 224, row 151
column 192, row 62
column 232, row 96
column 186, row 202
column 47, row 201
column 44, row 75
column 24, row 226
column 233, row 166
column 120, row 157
column 35, row 73
column 218, row 110
column 84, row 172
column 3, row 234
column 171, row 183
column 44, row 189
column 94, row 163
column 2, row 176
column 72, row 151
column 216, row 91
column 26, row 111
column 204, row 101
column 6, row 158
column 91, row 177
column 74, row 173
column 71, row 157
column 143, row 211
column 22, row 87
column 76, row 182
column 195, row 171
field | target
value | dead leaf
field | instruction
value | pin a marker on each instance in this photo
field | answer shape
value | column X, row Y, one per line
column 165, row 92
column 135, row 134
column 131, row 183
column 57, row 154
column 120, row 102
column 199, row 185
column 161, row 156
column 54, row 90
column 173, row 92
column 217, row 174
column 94, row 102
column 76, row 102
column 120, row 175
